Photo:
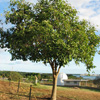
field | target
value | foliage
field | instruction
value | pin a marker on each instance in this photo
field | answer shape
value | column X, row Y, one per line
column 46, row 76
column 23, row 74
column 4, row 73
column 38, row 84
column 11, row 75
column 49, row 31
column 31, row 78
column 97, row 81
column 74, row 77
column 14, row 76
column 39, row 76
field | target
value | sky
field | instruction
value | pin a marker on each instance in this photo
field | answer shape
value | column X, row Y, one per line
column 87, row 9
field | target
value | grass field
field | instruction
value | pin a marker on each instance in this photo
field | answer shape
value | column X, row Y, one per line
column 43, row 92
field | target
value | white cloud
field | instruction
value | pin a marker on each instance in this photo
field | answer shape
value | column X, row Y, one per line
column 89, row 10
column 78, row 3
column 32, row 1
column 4, row 57
column 1, row 50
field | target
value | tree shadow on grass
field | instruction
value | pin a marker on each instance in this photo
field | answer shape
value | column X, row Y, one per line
column 91, row 89
column 22, row 95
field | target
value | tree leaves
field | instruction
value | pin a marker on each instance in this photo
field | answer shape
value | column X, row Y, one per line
column 49, row 31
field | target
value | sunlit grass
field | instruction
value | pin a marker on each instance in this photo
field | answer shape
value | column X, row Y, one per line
column 41, row 91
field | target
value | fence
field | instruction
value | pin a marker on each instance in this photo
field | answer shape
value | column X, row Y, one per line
column 89, row 84
column 24, row 91
column 16, row 90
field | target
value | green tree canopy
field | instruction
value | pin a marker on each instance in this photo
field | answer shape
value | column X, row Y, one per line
column 96, row 81
column 49, row 31
column 15, row 76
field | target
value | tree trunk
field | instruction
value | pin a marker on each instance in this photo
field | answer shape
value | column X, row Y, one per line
column 55, row 72
column 54, row 88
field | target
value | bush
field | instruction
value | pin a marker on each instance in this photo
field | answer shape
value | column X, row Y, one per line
column 31, row 78
column 14, row 76
column 38, row 84
column 96, row 81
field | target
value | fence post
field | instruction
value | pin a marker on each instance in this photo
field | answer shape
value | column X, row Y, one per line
column 3, row 76
column 30, row 92
column 9, row 82
column 18, row 85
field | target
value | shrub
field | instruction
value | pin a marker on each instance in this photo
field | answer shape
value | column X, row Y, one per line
column 96, row 81
column 14, row 76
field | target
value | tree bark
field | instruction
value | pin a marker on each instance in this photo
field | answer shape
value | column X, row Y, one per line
column 54, row 88
column 55, row 73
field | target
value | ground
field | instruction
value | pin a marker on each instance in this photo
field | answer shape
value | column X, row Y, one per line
column 8, row 91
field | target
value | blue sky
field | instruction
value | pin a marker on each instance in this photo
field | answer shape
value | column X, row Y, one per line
column 88, row 9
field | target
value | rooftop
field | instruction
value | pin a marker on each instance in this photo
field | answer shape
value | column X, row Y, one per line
column 77, row 80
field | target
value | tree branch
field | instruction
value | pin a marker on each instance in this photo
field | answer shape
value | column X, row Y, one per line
column 51, row 64
column 58, row 70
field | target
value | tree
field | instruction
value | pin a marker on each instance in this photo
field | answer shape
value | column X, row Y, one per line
column 31, row 78
column 49, row 31
column 14, row 76
column 1, row 31
column 39, row 76
column 96, row 81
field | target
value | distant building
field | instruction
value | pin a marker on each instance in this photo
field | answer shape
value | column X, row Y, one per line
column 61, row 78
column 74, row 82
column 64, row 81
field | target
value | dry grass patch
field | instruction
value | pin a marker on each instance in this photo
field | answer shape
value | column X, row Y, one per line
column 43, row 92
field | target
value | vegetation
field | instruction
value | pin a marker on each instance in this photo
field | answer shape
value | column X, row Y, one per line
column 29, row 77
column 97, row 81
column 42, row 92
column 74, row 77
column 14, row 76
column 46, row 76
column 50, row 32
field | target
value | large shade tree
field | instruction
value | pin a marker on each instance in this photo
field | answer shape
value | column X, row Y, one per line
column 49, row 31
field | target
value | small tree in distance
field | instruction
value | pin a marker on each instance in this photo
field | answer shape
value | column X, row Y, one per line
column 50, row 32
column 14, row 76
column 96, row 81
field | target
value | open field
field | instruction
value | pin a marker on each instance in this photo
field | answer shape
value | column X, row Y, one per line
column 43, row 92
